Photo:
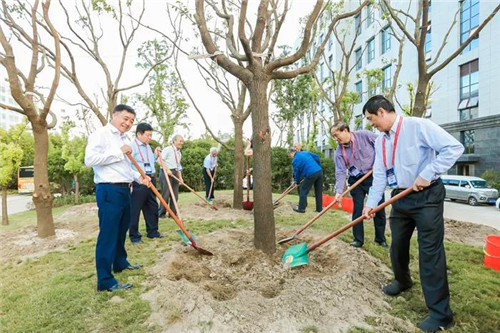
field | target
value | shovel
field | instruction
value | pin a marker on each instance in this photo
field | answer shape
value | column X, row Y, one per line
column 213, row 181
column 248, row 205
column 297, row 255
column 167, row 178
column 285, row 193
column 192, row 242
column 308, row 224
column 193, row 191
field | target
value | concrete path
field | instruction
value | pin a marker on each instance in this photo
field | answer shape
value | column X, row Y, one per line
column 17, row 203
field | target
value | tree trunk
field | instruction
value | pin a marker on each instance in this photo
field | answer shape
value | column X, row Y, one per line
column 5, row 217
column 41, row 196
column 264, row 228
column 420, row 106
column 77, row 188
column 238, row 165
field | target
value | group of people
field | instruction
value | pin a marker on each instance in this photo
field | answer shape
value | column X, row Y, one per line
column 122, row 193
column 408, row 152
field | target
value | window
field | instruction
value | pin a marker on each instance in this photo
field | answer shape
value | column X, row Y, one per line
column 469, row 21
column 453, row 182
column 370, row 50
column 330, row 61
column 387, row 77
column 359, row 90
column 321, row 71
column 359, row 60
column 469, row 90
column 369, row 15
column 357, row 24
column 386, row 40
column 467, row 139
column 464, row 183
column 372, row 86
column 428, row 42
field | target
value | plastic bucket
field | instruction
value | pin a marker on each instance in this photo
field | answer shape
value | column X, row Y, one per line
column 347, row 205
column 492, row 252
column 327, row 199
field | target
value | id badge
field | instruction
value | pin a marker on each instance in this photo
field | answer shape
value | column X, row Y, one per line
column 391, row 178
column 354, row 171
column 147, row 169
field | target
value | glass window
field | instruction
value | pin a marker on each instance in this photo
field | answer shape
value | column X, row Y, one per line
column 453, row 182
column 467, row 139
column 386, row 40
column 359, row 60
column 469, row 21
column 387, row 77
column 370, row 50
column 357, row 24
column 369, row 15
column 469, row 90
column 359, row 90
column 428, row 41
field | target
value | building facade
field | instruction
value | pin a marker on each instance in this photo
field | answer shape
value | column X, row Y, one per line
column 463, row 95
column 8, row 118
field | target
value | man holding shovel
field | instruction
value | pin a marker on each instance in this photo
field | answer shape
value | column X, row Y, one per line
column 414, row 152
column 143, row 199
column 172, row 157
column 353, row 158
column 306, row 167
column 209, row 166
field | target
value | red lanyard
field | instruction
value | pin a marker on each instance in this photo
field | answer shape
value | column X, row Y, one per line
column 352, row 153
column 139, row 148
column 393, row 146
column 176, row 157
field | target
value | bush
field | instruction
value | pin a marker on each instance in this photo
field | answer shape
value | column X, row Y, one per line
column 193, row 154
column 282, row 170
column 69, row 199
column 492, row 177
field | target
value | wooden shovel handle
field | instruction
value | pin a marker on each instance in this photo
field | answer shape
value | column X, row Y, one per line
column 194, row 192
column 169, row 184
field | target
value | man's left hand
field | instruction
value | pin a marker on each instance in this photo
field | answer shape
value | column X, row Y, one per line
column 420, row 184
column 145, row 181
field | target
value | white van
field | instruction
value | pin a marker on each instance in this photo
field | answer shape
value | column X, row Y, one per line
column 473, row 190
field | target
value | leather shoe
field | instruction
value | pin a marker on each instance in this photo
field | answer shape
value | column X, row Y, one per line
column 296, row 209
column 136, row 242
column 129, row 267
column 119, row 286
column 394, row 288
column 157, row 236
column 383, row 244
column 432, row 325
column 356, row 244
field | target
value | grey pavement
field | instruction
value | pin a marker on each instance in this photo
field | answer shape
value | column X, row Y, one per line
column 17, row 203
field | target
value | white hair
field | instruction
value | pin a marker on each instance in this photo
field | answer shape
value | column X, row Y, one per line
column 213, row 149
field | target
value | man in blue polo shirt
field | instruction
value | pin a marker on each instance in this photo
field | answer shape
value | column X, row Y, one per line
column 306, row 167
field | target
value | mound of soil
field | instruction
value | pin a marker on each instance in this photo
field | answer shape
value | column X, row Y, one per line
column 467, row 233
column 241, row 289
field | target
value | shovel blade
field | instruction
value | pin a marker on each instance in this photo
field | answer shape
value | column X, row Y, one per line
column 296, row 255
column 185, row 239
column 287, row 239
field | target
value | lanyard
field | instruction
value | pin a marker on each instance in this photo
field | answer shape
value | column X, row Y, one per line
column 352, row 153
column 176, row 157
column 396, row 136
column 139, row 148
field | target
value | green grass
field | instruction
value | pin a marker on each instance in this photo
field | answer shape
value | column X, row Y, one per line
column 27, row 218
column 56, row 293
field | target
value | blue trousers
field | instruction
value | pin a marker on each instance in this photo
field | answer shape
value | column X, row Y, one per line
column 143, row 199
column 113, row 202
column 315, row 179
column 208, row 183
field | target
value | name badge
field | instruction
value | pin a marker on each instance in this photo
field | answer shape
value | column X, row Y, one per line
column 148, row 169
column 391, row 178
column 353, row 171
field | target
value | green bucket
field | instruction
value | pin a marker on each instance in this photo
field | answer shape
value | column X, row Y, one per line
column 296, row 255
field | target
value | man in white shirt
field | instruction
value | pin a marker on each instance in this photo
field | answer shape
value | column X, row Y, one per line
column 209, row 165
column 171, row 156
column 105, row 152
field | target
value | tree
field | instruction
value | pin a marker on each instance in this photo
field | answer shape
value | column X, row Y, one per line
column 416, row 33
column 10, row 159
column 24, row 91
column 255, row 48
column 73, row 152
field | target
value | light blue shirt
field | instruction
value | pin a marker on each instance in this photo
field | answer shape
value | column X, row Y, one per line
column 210, row 162
column 142, row 153
column 419, row 141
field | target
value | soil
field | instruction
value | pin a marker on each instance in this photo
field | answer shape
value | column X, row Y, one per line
column 241, row 289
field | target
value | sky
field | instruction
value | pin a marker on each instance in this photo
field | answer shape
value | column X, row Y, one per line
column 216, row 113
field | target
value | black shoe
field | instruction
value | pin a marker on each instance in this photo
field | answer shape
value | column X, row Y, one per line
column 394, row 288
column 383, row 244
column 432, row 325
column 296, row 209
column 162, row 216
column 129, row 267
column 356, row 244
column 137, row 242
column 118, row 286
column 157, row 236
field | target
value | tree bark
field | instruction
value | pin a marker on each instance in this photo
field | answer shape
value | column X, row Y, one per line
column 41, row 196
column 264, row 228
column 77, row 188
column 421, row 96
column 238, row 165
column 5, row 217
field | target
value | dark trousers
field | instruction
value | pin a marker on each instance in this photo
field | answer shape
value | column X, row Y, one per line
column 165, row 192
column 423, row 210
column 315, row 179
column 208, row 183
column 143, row 199
column 358, row 196
column 114, row 219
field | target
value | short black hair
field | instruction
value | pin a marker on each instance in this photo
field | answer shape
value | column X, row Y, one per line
column 376, row 102
column 123, row 107
column 143, row 127
column 340, row 126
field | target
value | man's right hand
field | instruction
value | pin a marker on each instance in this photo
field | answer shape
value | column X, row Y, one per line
column 126, row 149
column 367, row 213
column 337, row 196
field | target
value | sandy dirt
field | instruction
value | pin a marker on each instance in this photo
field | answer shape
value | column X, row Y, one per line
column 467, row 233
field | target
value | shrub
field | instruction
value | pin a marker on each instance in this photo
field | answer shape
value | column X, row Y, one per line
column 69, row 199
column 492, row 176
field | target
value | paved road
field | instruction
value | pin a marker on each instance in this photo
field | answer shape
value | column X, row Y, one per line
column 17, row 203
column 486, row 215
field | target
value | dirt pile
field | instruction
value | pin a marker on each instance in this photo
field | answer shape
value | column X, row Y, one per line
column 241, row 289
column 467, row 233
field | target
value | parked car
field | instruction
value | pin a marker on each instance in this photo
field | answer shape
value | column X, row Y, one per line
column 473, row 190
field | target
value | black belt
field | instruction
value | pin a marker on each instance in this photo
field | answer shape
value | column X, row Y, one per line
column 433, row 183
column 116, row 184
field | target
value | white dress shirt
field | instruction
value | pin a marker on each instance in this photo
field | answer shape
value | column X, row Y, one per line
column 104, row 155
column 419, row 141
column 172, row 157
